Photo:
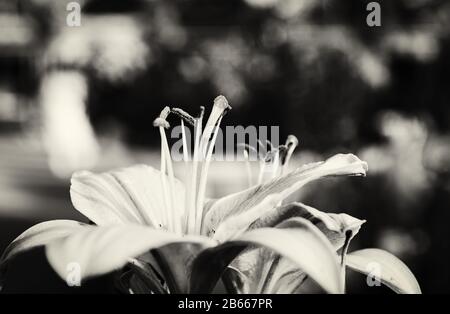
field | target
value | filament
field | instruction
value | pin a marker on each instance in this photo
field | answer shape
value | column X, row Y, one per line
column 204, row 177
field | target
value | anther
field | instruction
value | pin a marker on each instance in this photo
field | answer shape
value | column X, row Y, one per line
column 161, row 121
column 184, row 115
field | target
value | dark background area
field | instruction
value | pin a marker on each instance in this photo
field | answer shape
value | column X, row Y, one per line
column 314, row 68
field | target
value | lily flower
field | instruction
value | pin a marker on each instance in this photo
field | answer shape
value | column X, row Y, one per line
column 258, row 270
column 163, row 236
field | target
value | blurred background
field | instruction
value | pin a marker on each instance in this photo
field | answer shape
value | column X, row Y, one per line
column 84, row 97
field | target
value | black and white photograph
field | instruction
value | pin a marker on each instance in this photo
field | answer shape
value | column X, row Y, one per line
column 224, row 147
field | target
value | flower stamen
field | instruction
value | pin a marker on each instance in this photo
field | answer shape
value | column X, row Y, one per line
column 173, row 222
column 219, row 109
column 184, row 116
column 185, row 147
column 247, row 148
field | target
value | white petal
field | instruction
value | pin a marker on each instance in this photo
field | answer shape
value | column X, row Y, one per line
column 307, row 248
column 334, row 226
column 41, row 234
column 127, row 195
column 99, row 250
column 297, row 239
column 341, row 164
column 284, row 276
column 38, row 235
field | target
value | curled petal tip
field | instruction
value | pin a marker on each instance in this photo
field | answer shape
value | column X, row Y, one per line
column 222, row 102
column 357, row 166
column 365, row 166
column 351, row 223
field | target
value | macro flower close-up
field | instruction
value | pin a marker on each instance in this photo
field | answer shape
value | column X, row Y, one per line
column 174, row 240
column 232, row 155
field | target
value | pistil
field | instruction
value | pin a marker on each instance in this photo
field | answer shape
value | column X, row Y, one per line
column 189, row 171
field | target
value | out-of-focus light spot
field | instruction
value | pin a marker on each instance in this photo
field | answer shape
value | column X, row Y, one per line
column 379, row 160
column 112, row 45
column 402, row 130
column 261, row 67
column 69, row 47
column 311, row 41
column 68, row 136
column 15, row 30
column 232, row 51
column 273, row 35
column 421, row 45
column 227, row 59
column 398, row 243
column 231, row 85
column 402, row 157
column 295, row 8
column 8, row 106
column 262, row 3
column 169, row 31
column 372, row 69
column 437, row 153
column 193, row 68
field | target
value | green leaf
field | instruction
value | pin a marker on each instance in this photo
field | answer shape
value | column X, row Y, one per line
column 390, row 270
column 219, row 210
column 296, row 239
